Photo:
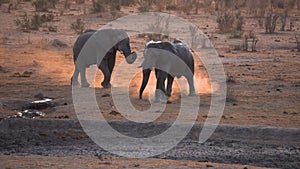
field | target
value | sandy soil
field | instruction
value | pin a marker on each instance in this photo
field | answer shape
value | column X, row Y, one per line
column 95, row 162
column 265, row 91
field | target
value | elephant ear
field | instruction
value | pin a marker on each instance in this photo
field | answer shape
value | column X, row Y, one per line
column 169, row 46
column 119, row 35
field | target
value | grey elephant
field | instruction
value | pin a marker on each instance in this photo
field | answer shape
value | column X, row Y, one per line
column 100, row 47
column 169, row 60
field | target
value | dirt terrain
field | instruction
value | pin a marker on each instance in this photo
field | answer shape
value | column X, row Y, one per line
column 263, row 90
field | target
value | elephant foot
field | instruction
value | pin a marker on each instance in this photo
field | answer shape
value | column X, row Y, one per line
column 106, row 86
column 192, row 94
column 160, row 96
column 84, row 85
column 168, row 94
column 74, row 82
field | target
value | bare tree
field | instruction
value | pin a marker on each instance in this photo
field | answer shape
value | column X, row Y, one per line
column 250, row 36
column 297, row 37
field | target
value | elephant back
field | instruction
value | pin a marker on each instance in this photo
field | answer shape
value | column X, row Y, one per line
column 80, row 42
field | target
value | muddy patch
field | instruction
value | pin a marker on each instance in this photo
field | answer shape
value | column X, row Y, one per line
column 252, row 145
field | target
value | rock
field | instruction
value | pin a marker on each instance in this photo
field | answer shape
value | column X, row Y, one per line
column 39, row 96
column 57, row 44
column 26, row 74
column 230, row 79
column 105, row 95
column 29, row 114
column 41, row 104
column 114, row 113
column 17, row 74
column 3, row 70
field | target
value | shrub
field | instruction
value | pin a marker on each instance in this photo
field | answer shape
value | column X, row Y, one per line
column 297, row 37
column 225, row 22
column 236, row 34
column 98, row 5
column 271, row 22
column 24, row 22
column 144, row 7
column 52, row 3
column 239, row 22
column 52, row 28
column 67, row 5
column 47, row 17
column 41, row 5
column 171, row 7
column 78, row 26
column 36, row 22
column 128, row 2
column 79, row 1
column 160, row 25
column 229, row 22
column 4, row 1
column 33, row 23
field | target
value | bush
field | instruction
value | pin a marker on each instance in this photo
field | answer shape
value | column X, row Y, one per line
column 239, row 22
column 34, row 23
column 79, row 1
column 128, row 2
column 98, row 5
column 4, row 1
column 297, row 37
column 78, row 26
column 52, row 28
column 41, row 5
column 235, row 34
column 144, row 7
column 171, row 7
column 228, row 22
column 225, row 22
column 271, row 22
column 24, row 22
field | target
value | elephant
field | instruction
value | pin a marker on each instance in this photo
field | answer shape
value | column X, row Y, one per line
column 167, row 66
column 105, row 43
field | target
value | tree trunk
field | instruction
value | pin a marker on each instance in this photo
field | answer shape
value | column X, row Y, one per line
column 283, row 20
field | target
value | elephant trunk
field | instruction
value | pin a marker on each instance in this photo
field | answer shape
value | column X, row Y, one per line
column 146, row 75
column 131, row 58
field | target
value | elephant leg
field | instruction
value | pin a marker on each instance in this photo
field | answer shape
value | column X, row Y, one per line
column 161, row 73
column 74, row 79
column 111, row 63
column 190, row 80
column 105, row 70
column 160, row 92
column 169, row 85
column 146, row 75
column 156, row 73
column 84, row 82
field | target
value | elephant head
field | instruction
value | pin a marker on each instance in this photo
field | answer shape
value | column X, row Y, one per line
column 157, row 55
column 124, row 48
column 169, row 60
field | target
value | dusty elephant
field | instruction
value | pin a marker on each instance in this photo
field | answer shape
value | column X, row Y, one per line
column 172, row 60
column 103, row 43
